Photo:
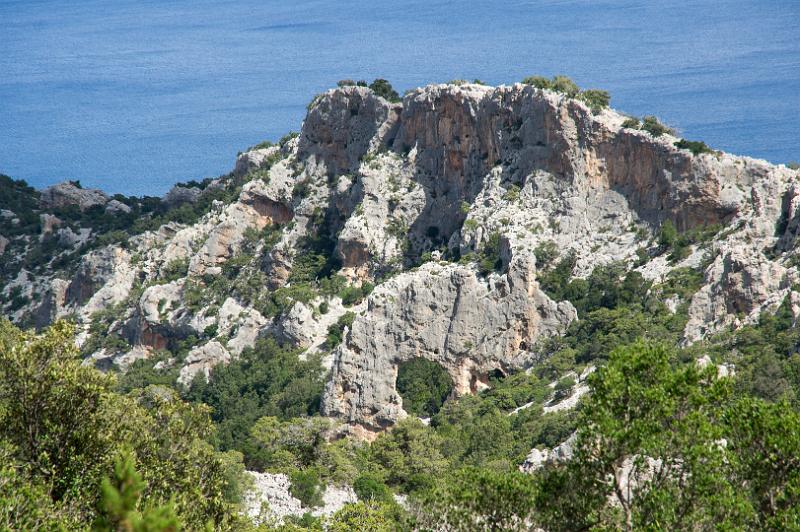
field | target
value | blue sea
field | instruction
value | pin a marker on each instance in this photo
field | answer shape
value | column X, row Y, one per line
column 132, row 96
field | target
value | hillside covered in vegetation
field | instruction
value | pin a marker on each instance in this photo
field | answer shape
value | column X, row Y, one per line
column 463, row 308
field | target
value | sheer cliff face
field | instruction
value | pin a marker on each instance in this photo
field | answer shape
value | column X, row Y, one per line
column 447, row 170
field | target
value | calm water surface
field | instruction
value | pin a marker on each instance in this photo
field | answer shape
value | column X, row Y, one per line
column 132, row 96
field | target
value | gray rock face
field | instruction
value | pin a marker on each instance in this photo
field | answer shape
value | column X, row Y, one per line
column 444, row 313
column 115, row 206
column 460, row 133
column 271, row 492
column 201, row 360
column 179, row 194
column 442, row 172
column 252, row 159
column 66, row 194
column 49, row 223
column 538, row 458
column 344, row 125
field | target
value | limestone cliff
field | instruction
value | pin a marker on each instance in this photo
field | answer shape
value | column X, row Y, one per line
column 408, row 196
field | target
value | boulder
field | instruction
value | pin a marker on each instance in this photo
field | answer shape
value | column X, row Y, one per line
column 67, row 194
column 202, row 360
column 179, row 194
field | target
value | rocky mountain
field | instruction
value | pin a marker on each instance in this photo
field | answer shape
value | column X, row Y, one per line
column 455, row 264
column 418, row 228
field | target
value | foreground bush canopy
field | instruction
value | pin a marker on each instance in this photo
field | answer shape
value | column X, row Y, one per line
column 700, row 451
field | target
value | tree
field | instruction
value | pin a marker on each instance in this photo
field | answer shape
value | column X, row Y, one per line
column 384, row 89
column 409, row 450
column 650, row 441
column 363, row 517
column 424, row 386
column 62, row 427
column 54, row 411
column 118, row 508
column 596, row 99
column 475, row 499
column 765, row 439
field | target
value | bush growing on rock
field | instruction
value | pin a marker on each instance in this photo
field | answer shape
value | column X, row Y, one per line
column 596, row 99
column 306, row 487
column 652, row 125
column 695, row 146
column 631, row 123
column 384, row 89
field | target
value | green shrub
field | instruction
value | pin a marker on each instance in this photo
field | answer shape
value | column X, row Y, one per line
column 631, row 123
column 695, row 146
column 306, row 487
column 654, row 127
column 384, row 89
column 565, row 86
column 490, row 259
column 564, row 388
column 512, row 193
column 540, row 82
column 561, row 84
column 596, row 99
column 424, row 386
column 336, row 331
column 545, row 253
column 369, row 487
column 352, row 295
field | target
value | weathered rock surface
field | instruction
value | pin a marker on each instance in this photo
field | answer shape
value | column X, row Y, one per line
column 180, row 194
column 67, row 194
column 344, row 125
column 201, row 360
column 537, row 458
column 370, row 186
column 271, row 493
column 445, row 313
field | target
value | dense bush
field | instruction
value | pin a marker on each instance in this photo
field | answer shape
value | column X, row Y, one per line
column 62, row 429
column 307, row 488
column 596, row 99
column 384, row 89
column 654, row 127
column 424, row 386
column 336, row 331
column 267, row 380
column 490, row 259
column 695, row 146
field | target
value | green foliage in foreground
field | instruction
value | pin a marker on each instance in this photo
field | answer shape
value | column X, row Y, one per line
column 63, row 429
column 702, row 450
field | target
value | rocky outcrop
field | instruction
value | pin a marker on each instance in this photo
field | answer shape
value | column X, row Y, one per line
column 202, row 360
column 344, row 124
column 104, row 277
column 115, row 207
column 741, row 283
column 49, row 223
column 180, row 194
column 373, row 189
column 270, row 499
column 538, row 458
column 253, row 159
column 67, row 194
column 444, row 313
